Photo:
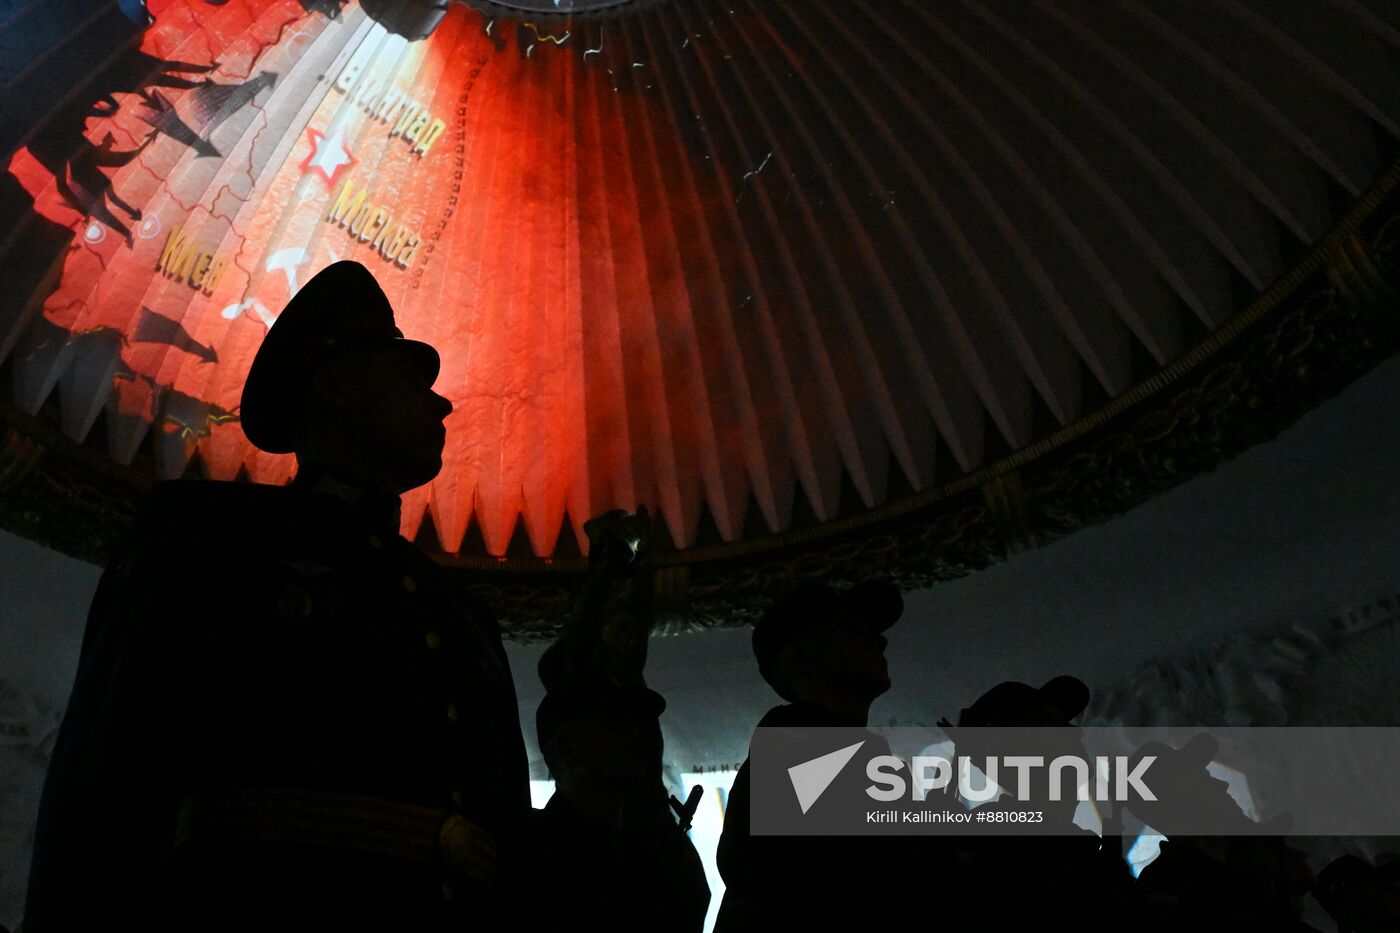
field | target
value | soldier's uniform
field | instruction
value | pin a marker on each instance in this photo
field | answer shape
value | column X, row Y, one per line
column 285, row 716
column 619, row 857
column 609, row 840
column 279, row 705
column 816, row 882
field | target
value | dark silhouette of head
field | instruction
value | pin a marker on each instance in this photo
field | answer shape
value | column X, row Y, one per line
column 1016, row 704
column 1014, row 718
column 825, row 646
column 602, row 738
column 336, row 383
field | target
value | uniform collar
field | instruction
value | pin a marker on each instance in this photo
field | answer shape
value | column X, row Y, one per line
column 372, row 510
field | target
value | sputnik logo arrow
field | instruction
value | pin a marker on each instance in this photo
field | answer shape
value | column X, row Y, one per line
column 811, row 778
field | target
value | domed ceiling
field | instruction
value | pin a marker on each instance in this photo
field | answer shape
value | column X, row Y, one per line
column 774, row 268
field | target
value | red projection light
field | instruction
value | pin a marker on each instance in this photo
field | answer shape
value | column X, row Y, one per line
column 778, row 269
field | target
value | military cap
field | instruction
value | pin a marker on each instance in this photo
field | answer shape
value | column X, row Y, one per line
column 1012, row 703
column 876, row 604
column 342, row 306
column 632, row 708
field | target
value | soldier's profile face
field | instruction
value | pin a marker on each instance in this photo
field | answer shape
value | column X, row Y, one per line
column 841, row 649
column 388, row 402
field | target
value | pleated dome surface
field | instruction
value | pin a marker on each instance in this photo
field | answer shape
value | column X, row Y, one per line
column 754, row 263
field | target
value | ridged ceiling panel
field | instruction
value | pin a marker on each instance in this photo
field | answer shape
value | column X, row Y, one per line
column 749, row 262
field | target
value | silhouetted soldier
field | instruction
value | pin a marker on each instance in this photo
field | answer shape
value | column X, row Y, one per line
column 1216, row 869
column 609, row 841
column 823, row 651
column 1020, row 878
column 286, row 717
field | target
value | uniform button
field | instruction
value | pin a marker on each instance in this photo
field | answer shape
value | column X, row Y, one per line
column 433, row 640
column 451, row 712
column 376, row 541
column 410, row 584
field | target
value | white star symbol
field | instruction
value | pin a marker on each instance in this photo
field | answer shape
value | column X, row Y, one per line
column 328, row 154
